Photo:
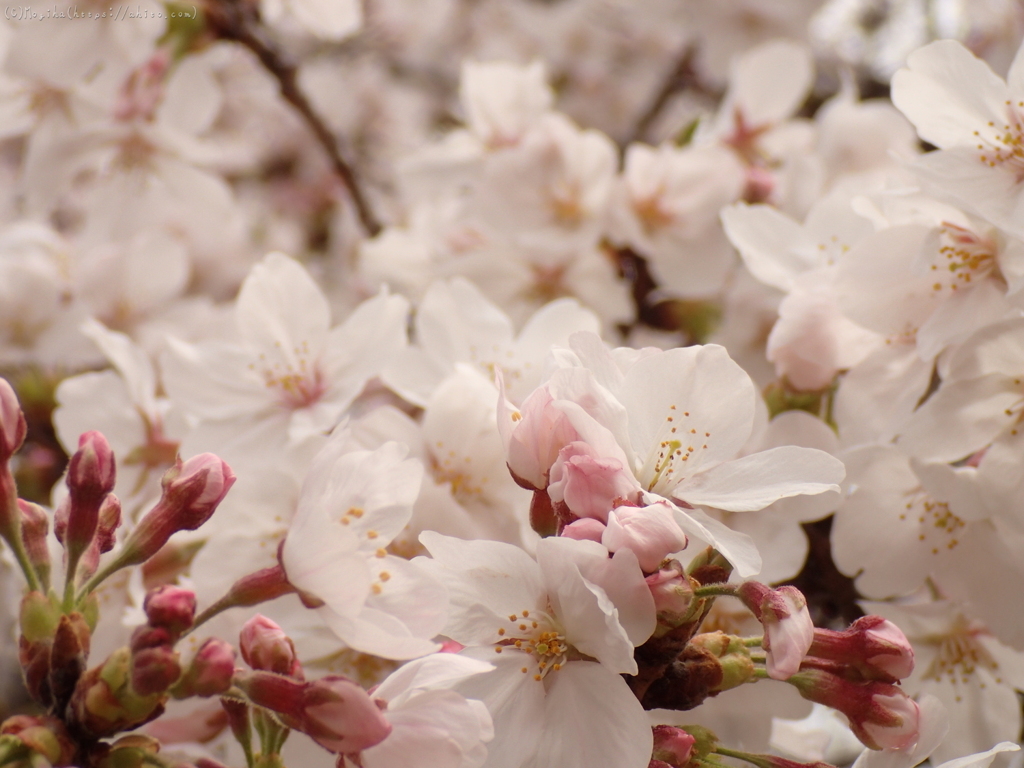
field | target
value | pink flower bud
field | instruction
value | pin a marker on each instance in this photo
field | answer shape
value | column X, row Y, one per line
column 91, row 475
column 196, row 487
column 191, row 492
column 652, row 533
column 584, row 529
column 335, row 712
column 789, row 631
column 44, row 735
column 533, row 436
column 107, row 522
column 35, row 524
column 266, row 646
column 172, row 608
column 673, row 745
column 672, row 593
column 12, row 422
column 341, row 717
column 787, row 623
column 92, row 470
column 873, row 646
column 210, row 672
column 154, row 670
column 880, row 714
column 590, row 485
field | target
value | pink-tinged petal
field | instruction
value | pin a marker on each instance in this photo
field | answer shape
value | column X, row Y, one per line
column 789, row 631
column 454, row 323
column 994, row 193
column 280, row 308
column 697, row 391
column 621, row 579
column 439, row 670
column 589, row 484
column 584, row 529
column 429, row 726
column 585, row 611
column 487, row 581
column 738, row 548
column 517, row 704
column 651, row 533
column 960, row 315
column 769, row 242
column 360, row 348
column 948, row 93
column 534, row 439
column 753, row 482
column 769, row 82
column 961, row 418
column 999, row 348
column 934, row 724
column 377, row 632
column 581, row 696
column 879, row 394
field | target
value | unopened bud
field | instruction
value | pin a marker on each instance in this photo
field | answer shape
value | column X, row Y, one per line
column 788, row 629
column 39, row 734
column 265, row 646
column 651, row 532
column 170, row 607
column 38, row 618
column 35, row 524
column 90, row 477
column 12, row 435
column 191, row 492
column 68, row 655
column 105, row 703
column 210, row 672
column 881, row 715
column 673, row 745
column 107, row 522
column 335, row 712
column 92, row 470
column 154, row 670
column 13, row 426
column 875, row 647
column 135, row 750
column 733, row 656
column 673, row 596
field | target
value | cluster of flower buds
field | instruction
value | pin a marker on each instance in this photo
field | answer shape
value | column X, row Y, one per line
column 334, row 711
column 857, row 671
column 130, row 686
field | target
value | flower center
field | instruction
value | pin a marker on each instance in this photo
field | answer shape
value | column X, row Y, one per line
column 1004, row 145
column 938, row 526
column 960, row 655
column 964, row 258
column 538, row 635
column 679, row 452
column 299, row 381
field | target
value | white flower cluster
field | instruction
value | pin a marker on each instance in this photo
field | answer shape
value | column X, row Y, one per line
column 505, row 448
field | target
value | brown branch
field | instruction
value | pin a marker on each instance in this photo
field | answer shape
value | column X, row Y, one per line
column 238, row 21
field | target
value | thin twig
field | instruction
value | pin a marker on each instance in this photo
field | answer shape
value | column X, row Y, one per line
column 238, row 21
column 681, row 77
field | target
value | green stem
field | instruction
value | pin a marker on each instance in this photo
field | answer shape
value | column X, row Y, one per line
column 98, row 578
column 715, row 590
column 69, row 581
column 753, row 642
column 745, row 756
column 18, row 547
column 219, row 607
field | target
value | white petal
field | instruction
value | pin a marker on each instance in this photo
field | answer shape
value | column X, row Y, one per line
column 755, row 481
